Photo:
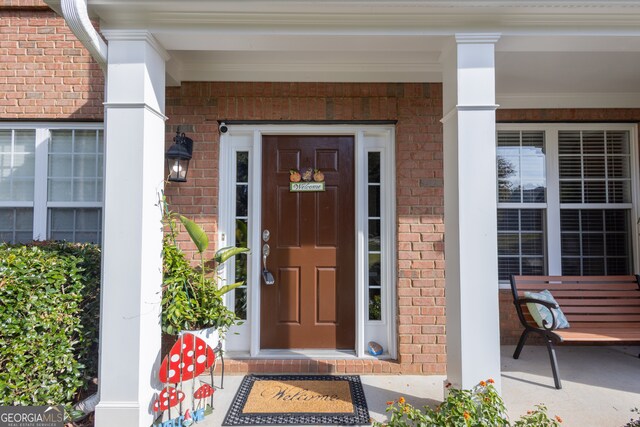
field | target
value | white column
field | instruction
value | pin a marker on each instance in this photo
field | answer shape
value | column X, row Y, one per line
column 473, row 335
column 132, row 239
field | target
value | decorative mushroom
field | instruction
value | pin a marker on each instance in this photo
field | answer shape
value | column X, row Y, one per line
column 189, row 357
column 204, row 391
column 168, row 398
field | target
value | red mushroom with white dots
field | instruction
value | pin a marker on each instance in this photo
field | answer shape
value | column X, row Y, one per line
column 189, row 357
column 204, row 391
column 168, row 398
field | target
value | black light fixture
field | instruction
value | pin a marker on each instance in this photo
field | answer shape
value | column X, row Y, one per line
column 178, row 157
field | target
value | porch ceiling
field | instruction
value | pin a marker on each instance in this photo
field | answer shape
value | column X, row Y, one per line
column 556, row 53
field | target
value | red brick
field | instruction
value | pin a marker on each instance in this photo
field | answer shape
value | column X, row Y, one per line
column 34, row 51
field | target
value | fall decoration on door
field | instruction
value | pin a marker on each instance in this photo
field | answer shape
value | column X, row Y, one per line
column 308, row 181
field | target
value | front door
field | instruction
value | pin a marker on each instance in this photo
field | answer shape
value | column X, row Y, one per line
column 311, row 305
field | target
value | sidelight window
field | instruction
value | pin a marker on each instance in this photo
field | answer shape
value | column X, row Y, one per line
column 242, row 224
column 373, row 243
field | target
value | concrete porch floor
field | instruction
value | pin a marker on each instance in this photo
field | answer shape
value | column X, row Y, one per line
column 600, row 386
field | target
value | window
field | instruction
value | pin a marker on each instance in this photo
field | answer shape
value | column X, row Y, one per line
column 564, row 200
column 595, row 198
column 238, row 228
column 16, row 225
column 51, row 182
column 242, row 223
column 521, row 202
column 373, row 248
column 17, row 175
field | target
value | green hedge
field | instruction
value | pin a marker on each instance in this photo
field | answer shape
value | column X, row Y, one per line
column 49, row 317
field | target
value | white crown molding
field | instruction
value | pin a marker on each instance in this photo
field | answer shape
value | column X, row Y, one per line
column 477, row 38
column 134, row 106
column 307, row 72
column 311, row 76
column 325, row 66
column 226, row 5
column 568, row 100
column 454, row 111
column 368, row 23
column 136, row 35
column 370, row 16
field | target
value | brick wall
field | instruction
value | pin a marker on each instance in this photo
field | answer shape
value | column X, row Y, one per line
column 23, row 3
column 196, row 107
column 510, row 328
column 45, row 73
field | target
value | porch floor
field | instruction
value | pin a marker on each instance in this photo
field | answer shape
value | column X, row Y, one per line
column 600, row 386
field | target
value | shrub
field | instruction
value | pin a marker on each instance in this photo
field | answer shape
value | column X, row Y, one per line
column 538, row 418
column 632, row 422
column 481, row 406
column 49, row 317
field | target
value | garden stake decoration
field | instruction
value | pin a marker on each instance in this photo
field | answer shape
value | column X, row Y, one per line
column 202, row 393
column 191, row 301
column 189, row 357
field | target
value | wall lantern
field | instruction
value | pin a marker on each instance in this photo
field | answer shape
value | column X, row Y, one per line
column 178, row 157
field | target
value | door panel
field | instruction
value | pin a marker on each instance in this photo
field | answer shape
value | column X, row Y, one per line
column 326, row 296
column 326, row 217
column 288, row 281
column 312, row 303
column 288, row 218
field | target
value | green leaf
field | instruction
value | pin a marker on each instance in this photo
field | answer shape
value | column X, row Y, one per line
column 197, row 234
column 76, row 415
column 224, row 254
column 223, row 290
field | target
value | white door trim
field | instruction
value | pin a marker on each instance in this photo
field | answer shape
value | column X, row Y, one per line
column 379, row 138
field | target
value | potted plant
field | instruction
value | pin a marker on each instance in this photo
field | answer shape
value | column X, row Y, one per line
column 192, row 298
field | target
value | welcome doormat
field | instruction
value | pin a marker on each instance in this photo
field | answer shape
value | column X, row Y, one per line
column 298, row 400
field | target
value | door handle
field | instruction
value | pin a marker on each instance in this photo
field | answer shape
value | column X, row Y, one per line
column 266, row 274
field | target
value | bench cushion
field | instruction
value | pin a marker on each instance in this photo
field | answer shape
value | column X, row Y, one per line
column 541, row 314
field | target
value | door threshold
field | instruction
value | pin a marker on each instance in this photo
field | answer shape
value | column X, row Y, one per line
column 305, row 354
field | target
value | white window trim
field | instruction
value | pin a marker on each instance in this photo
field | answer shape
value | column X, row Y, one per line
column 367, row 138
column 40, row 203
column 40, row 194
column 553, row 250
column 226, row 232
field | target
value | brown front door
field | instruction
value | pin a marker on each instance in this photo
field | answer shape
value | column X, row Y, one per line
column 312, row 245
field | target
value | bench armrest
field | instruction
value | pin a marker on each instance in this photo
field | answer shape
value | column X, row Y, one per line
column 547, row 304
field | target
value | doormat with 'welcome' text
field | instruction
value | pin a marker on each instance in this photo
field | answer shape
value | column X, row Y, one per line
column 298, row 400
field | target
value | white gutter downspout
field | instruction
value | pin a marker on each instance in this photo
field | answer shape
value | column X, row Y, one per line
column 77, row 17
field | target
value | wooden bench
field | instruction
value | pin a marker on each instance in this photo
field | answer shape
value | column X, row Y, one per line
column 600, row 309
